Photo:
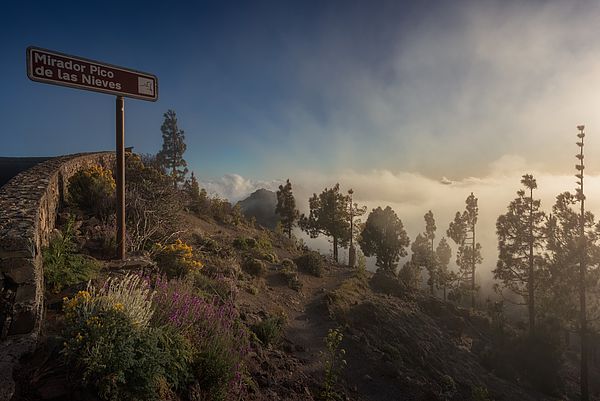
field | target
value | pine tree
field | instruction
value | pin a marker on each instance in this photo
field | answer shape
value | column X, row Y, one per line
column 170, row 156
column 286, row 208
column 385, row 238
column 430, row 229
column 462, row 232
column 409, row 274
column 419, row 248
column 353, row 212
column 328, row 216
column 520, row 241
column 193, row 190
column 559, row 283
column 445, row 277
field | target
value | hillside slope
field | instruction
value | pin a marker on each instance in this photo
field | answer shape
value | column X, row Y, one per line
column 400, row 344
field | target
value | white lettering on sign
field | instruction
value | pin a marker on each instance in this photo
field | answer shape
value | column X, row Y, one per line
column 60, row 69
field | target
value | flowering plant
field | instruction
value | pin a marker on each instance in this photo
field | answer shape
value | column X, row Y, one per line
column 92, row 188
column 176, row 259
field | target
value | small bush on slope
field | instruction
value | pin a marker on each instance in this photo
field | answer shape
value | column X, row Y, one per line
column 93, row 189
column 311, row 262
column 62, row 267
column 269, row 330
column 254, row 267
column 176, row 259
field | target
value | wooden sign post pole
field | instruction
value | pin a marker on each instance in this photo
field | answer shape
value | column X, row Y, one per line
column 120, row 142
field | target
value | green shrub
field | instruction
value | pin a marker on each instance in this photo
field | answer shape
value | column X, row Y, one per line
column 251, row 289
column 176, row 356
column 480, row 394
column 62, row 267
column 214, row 369
column 209, row 246
column 93, row 189
column 269, row 330
column 311, row 263
column 288, row 264
column 334, row 364
column 225, row 289
column 448, row 387
column 289, row 270
column 254, row 267
column 263, row 242
column 270, row 257
column 245, row 244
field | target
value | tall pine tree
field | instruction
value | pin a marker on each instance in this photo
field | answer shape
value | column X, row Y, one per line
column 430, row 229
column 286, row 208
column 354, row 211
column 520, row 242
column 170, row 156
column 462, row 232
column 445, row 277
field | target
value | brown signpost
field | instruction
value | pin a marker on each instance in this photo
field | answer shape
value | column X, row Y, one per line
column 55, row 68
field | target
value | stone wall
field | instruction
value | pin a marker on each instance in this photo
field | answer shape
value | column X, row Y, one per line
column 29, row 203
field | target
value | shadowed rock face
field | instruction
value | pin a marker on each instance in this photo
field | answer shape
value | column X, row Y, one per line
column 11, row 166
column 261, row 205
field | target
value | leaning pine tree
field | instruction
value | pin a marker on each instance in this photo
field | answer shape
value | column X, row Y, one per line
column 286, row 208
column 170, row 156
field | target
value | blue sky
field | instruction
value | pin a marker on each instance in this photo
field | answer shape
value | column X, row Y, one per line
column 233, row 71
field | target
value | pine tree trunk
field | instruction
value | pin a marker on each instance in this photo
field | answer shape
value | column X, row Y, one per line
column 583, row 315
column 431, row 272
column 473, row 271
column 531, row 278
column 335, row 248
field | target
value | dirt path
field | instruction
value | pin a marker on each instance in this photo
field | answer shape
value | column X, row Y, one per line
column 307, row 315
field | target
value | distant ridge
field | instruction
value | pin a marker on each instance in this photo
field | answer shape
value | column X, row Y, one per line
column 261, row 205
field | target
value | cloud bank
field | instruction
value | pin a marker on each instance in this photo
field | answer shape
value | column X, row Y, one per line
column 411, row 195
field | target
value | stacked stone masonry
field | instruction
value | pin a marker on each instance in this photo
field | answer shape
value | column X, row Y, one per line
column 29, row 204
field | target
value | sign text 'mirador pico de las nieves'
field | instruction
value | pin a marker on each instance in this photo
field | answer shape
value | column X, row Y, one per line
column 60, row 69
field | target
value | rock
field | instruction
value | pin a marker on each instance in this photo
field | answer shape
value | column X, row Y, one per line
column 139, row 263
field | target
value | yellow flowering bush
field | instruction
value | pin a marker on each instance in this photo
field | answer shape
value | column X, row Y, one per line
column 176, row 259
column 92, row 189
column 113, row 351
